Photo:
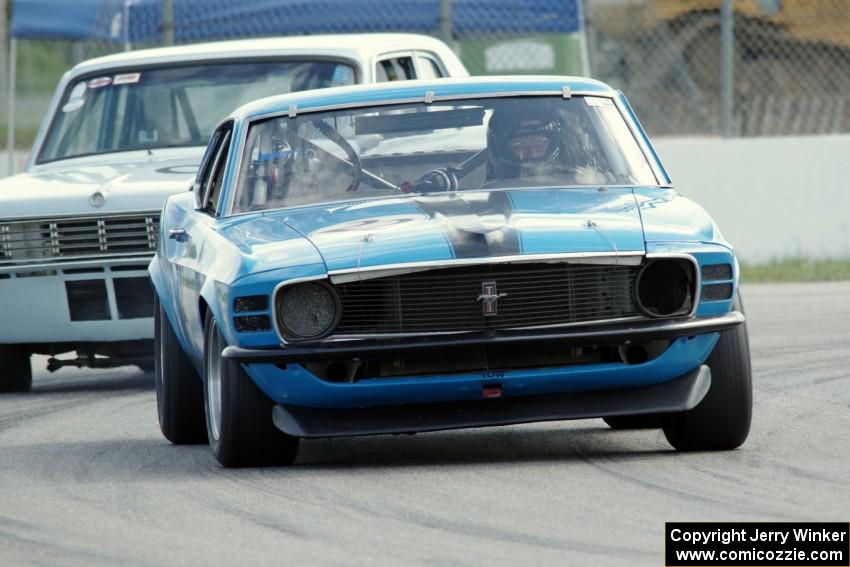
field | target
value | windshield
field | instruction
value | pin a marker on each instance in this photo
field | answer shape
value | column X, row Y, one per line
column 171, row 106
column 445, row 146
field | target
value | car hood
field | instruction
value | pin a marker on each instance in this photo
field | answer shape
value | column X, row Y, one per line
column 134, row 182
column 471, row 224
column 670, row 217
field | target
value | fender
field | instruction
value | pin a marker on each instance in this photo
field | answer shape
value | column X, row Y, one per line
column 215, row 294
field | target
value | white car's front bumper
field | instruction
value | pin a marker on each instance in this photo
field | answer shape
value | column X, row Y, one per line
column 107, row 302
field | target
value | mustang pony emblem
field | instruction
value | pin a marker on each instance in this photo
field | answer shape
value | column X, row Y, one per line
column 489, row 298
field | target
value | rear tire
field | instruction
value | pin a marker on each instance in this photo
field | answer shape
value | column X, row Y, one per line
column 722, row 419
column 651, row 421
column 179, row 390
column 239, row 414
column 15, row 370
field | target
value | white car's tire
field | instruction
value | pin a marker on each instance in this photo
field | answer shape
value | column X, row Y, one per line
column 15, row 370
column 721, row 421
column 179, row 389
column 239, row 415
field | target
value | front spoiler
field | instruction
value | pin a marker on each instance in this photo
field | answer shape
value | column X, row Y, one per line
column 391, row 348
column 677, row 395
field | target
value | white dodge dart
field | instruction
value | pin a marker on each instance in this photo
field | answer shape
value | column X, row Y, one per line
column 79, row 225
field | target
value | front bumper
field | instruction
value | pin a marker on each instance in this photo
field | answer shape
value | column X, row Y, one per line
column 601, row 334
column 290, row 383
column 677, row 395
column 102, row 301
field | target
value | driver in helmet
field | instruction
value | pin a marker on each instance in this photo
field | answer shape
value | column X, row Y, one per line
column 524, row 141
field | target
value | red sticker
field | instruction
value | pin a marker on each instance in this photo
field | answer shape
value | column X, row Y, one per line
column 100, row 82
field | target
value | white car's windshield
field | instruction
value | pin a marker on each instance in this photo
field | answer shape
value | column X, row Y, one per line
column 171, row 106
column 510, row 142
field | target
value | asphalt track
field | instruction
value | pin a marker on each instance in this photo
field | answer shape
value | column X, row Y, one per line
column 87, row 479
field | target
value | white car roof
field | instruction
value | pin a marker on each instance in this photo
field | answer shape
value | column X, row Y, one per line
column 363, row 47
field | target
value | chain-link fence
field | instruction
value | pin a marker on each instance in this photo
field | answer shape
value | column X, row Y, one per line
column 790, row 62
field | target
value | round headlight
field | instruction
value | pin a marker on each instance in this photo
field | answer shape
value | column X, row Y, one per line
column 664, row 288
column 308, row 310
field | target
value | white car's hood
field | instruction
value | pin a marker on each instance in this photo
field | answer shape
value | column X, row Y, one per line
column 125, row 182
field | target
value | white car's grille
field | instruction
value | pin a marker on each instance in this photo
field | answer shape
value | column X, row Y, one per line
column 64, row 239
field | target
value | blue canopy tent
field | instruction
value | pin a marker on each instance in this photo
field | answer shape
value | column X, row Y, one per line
column 53, row 19
column 139, row 22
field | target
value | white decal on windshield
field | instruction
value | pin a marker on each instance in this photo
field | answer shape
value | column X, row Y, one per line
column 73, row 105
column 78, row 91
column 100, row 82
column 126, row 79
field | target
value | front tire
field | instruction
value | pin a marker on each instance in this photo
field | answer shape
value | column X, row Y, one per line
column 239, row 414
column 15, row 370
column 721, row 421
column 179, row 390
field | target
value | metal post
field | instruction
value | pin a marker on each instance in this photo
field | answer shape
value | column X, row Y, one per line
column 125, row 21
column 727, row 71
column 168, row 22
column 445, row 20
column 5, row 34
column 10, row 133
column 585, row 30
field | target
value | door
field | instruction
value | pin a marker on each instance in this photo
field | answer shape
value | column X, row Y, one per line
column 188, row 237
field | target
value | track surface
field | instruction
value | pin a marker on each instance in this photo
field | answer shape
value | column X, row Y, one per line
column 86, row 478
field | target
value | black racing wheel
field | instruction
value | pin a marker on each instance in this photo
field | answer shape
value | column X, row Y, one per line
column 721, row 420
column 239, row 414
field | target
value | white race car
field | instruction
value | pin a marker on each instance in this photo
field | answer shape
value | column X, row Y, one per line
column 79, row 226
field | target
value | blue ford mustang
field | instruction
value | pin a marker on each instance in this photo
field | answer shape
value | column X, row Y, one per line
column 434, row 255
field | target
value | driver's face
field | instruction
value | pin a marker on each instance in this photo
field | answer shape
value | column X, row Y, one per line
column 529, row 147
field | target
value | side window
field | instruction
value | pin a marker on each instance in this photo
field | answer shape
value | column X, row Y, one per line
column 428, row 68
column 207, row 164
column 395, row 69
column 212, row 191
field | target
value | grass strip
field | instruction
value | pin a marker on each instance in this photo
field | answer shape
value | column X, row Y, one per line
column 796, row 270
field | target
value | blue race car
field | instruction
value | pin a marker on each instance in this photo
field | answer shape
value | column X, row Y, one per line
column 422, row 256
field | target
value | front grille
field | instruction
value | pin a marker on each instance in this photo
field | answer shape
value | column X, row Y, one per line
column 87, row 300
column 133, row 297
column 448, row 299
column 74, row 238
